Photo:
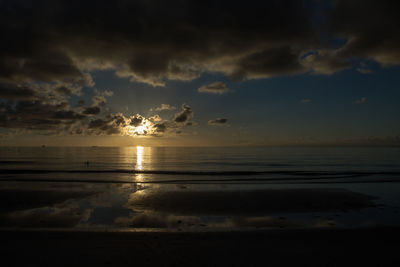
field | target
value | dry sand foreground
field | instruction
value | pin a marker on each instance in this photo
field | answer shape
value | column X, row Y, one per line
column 309, row 247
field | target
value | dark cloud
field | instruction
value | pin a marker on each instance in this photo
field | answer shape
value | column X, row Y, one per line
column 68, row 115
column 368, row 28
column 151, row 41
column 80, row 103
column 64, row 90
column 326, row 62
column 218, row 122
column 136, row 120
column 185, row 115
column 214, row 88
column 58, row 92
column 373, row 32
column 15, row 92
column 109, row 125
column 282, row 60
column 38, row 64
column 160, row 127
column 45, row 108
column 92, row 111
column 60, row 118
column 36, row 115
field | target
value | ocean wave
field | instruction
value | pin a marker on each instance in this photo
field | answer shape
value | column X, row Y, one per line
column 187, row 177
column 206, row 181
column 203, row 173
column 206, row 173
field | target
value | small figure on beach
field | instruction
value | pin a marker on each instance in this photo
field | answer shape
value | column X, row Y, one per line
column 87, row 163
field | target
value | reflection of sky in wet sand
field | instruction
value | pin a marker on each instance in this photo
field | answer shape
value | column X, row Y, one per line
column 140, row 206
column 206, row 207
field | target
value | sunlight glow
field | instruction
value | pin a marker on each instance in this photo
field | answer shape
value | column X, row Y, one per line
column 142, row 130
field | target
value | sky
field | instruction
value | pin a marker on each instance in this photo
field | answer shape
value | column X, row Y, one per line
column 199, row 73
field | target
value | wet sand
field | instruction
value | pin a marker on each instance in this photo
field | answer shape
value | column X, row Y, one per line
column 52, row 207
column 307, row 247
column 255, row 247
column 254, row 202
column 24, row 198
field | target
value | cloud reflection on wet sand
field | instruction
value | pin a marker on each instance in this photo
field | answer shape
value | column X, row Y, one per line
column 250, row 202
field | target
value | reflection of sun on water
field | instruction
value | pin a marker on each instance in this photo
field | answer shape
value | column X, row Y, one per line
column 139, row 163
column 139, row 158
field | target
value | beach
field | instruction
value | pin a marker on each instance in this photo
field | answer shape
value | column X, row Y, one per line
column 170, row 232
column 295, row 247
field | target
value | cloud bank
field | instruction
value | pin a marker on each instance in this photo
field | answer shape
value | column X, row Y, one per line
column 53, row 47
column 155, row 41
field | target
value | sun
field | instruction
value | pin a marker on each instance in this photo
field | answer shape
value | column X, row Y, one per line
column 141, row 130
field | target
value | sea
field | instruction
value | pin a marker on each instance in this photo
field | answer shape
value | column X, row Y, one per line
column 198, row 188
